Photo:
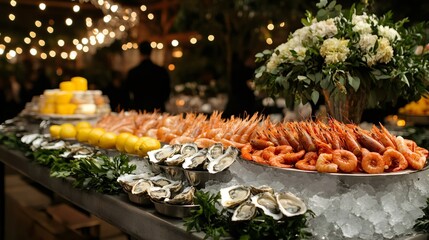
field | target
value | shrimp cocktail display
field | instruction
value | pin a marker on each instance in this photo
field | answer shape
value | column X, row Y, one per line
column 310, row 145
column 333, row 147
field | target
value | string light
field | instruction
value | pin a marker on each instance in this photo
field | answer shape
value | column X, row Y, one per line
column 41, row 42
column 79, row 47
column 211, row 38
column 69, row 21
column 50, row 29
column 107, row 18
column 18, row 50
column 43, row 56
column 32, row 34
column 124, row 47
column 33, row 51
column 11, row 17
column 73, row 55
column 174, row 43
column 42, row 6
column 270, row 26
column 76, row 8
column 12, row 53
column 129, row 45
column 13, row 3
column 2, row 48
column 153, row 44
column 52, row 53
column 85, row 49
column 269, row 41
column 135, row 46
column 171, row 67
column 282, row 24
column 27, row 40
column 159, row 46
column 143, row 8
column 193, row 40
column 64, row 55
column 7, row 39
column 150, row 16
column 84, row 41
column 114, row 8
column 61, row 43
column 75, row 41
column 122, row 28
column 38, row 23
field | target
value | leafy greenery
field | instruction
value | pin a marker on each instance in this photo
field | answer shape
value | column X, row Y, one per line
column 376, row 56
column 208, row 218
column 100, row 173
column 10, row 140
column 422, row 223
column 216, row 222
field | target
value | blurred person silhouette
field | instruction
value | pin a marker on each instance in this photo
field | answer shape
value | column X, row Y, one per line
column 118, row 95
column 9, row 97
column 148, row 84
column 241, row 99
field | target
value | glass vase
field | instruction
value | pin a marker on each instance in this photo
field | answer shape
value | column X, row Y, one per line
column 347, row 108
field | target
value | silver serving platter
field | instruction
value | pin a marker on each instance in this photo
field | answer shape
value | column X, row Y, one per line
column 176, row 211
column 143, row 200
column 199, row 178
column 352, row 175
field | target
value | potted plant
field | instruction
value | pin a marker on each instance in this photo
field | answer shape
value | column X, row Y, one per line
column 353, row 59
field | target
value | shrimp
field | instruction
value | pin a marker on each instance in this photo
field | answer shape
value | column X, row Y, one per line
column 352, row 144
column 308, row 163
column 415, row 160
column 292, row 157
column 324, row 163
column 305, row 140
column 268, row 152
column 246, row 152
column 422, row 151
column 346, row 160
column 394, row 160
column 283, row 149
column 259, row 159
column 369, row 142
column 277, row 161
column 260, row 143
column 372, row 162
column 204, row 142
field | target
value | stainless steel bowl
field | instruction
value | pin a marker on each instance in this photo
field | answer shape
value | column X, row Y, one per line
column 143, row 200
column 199, row 178
column 177, row 211
column 173, row 172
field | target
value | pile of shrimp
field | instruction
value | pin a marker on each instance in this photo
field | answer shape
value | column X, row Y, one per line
column 185, row 128
column 333, row 147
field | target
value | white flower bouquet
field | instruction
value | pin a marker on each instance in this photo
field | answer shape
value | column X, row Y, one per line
column 340, row 53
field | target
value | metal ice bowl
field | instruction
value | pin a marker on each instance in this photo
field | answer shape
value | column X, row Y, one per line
column 143, row 200
column 171, row 210
column 173, row 172
column 199, row 178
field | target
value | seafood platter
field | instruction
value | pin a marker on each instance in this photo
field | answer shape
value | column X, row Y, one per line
column 331, row 147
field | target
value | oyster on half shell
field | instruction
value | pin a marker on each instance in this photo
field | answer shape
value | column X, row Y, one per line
column 223, row 161
column 214, row 151
column 160, row 155
column 234, row 195
column 188, row 149
column 159, row 193
column 261, row 189
column 195, row 160
column 141, row 187
column 184, row 198
column 290, row 205
column 244, row 212
column 268, row 203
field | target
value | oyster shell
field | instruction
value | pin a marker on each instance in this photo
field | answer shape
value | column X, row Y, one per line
column 160, row 155
column 141, row 187
column 56, row 145
column 261, row 189
column 215, row 151
column 174, row 186
column 160, row 181
column 195, row 160
column 188, row 149
column 234, row 195
column 159, row 193
column 128, row 181
column 223, row 161
column 184, row 198
column 27, row 139
column 268, row 203
column 244, row 212
column 175, row 160
column 290, row 205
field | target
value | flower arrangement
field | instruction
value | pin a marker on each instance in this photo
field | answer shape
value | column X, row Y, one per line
column 347, row 56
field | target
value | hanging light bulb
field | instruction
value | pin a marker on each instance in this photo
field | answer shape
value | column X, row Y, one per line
column 38, row 23
column 52, row 53
column 69, row 21
column 76, row 8
column 11, row 17
column 42, row 6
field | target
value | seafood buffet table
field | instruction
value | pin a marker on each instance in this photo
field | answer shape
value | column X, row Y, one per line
column 138, row 222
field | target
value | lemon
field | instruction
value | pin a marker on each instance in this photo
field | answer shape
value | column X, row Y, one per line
column 67, row 131
column 94, row 135
column 120, row 141
column 54, row 130
column 107, row 140
column 130, row 143
column 83, row 124
column 147, row 144
column 83, row 134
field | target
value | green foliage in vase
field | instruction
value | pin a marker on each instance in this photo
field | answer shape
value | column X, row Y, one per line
column 342, row 50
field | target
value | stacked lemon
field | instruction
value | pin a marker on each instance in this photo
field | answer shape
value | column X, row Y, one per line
column 124, row 142
column 421, row 107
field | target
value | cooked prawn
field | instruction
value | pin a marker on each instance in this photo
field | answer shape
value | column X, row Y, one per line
column 246, row 152
column 324, row 163
column 308, row 163
column 283, row 149
column 292, row 157
column 415, row 160
column 346, row 160
column 260, row 143
column 372, row 162
column 277, row 161
column 394, row 160
column 268, row 152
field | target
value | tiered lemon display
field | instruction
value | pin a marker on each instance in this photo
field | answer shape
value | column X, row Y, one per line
column 421, row 107
column 73, row 98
